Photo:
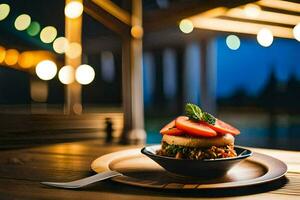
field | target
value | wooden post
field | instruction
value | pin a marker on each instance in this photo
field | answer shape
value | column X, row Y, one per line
column 73, row 29
column 208, row 76
column 132, row 79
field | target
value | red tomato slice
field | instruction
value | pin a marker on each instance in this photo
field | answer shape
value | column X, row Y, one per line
column 194, row 128
column 223, row 128
column 170, row 129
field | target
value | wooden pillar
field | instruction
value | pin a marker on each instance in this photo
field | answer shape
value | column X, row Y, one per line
column 73, row 29
column 208, row 76
column 132, row 78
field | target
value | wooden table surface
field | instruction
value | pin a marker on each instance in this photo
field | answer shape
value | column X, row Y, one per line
column 22, row 170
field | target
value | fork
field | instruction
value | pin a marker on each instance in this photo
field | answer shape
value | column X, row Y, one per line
column 85, row 181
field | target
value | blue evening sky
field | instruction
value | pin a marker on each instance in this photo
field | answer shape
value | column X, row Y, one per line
column 250, row 66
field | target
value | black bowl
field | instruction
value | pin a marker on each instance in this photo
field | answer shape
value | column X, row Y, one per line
column 209, row 168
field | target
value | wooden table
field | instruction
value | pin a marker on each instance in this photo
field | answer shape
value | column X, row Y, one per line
column 22, row 170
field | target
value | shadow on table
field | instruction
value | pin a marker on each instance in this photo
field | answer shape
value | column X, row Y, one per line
column 109, row 186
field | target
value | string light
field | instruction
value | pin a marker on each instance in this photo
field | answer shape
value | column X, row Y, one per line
column 186, row 26
column 252, row 10
column 296, row 32
column 48, row 34
column 84, row 74
column 4, row 11
column 73, row 9
column 46, row 70
column 265, row 37
column 66, row 74
column 60, row 45
column 26, row 60
column 2, row 54
column 74, row 50
column 33, row 29
column 22, row 22
column 233, row 42
column 11, row 57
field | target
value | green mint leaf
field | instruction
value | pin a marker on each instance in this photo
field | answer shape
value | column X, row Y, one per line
column 209, row 118
column 193, row 112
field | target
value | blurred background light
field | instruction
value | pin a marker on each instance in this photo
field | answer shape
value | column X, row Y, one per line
column 22, row 22
column 26, row 60
column 84, row 74
column 4, row 11
column 186, row 26
column 296, row 32
column 233, row 42
column 137, row 31
column 2, row 54
column 39, row 90
column 11, row 57
column 252, row 10
column 73, row 9
column 74, row 50
column 265, row 37
column 34, row 28
column 60, row 45
column 66, row 74
column 48, row 34
column 46, row 70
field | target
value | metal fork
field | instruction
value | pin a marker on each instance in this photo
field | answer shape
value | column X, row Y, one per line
column 85, row 181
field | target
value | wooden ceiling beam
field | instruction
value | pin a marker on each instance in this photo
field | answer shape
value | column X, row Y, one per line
column 158, row 19
column 105, row 18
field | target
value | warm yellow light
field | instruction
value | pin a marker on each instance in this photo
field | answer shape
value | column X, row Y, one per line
column 48, row 34
column 73, row 9
column 233, row 42
column 74, row 50
column 26, row 60
column 296, row 32
column 137, row 31
column 22, row 22
column 2, row 54
column 11, row 57
column 66, row 74
column 252, row 10
column 84, row 74
column 265, row 37
column 282, row 5
column 186, row 26
column 46, row 70
column 60, row 45
column 4, row 11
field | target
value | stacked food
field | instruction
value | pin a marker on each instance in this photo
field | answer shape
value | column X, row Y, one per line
column 198, row 136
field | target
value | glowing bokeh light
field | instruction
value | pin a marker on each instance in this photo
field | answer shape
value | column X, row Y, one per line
column 233, row 42
column 26, row 60
column 265, row 37
column 74, row 50
column 11, row 57
column 137, row 31
column 4, row 11
column 60, row 45
column 252, row 10
column 46, row 70
column 22, row 22
column 2, row 54
column 73, row 9
column 186, row 26
column 48, row 34
column 66, row 74
column 33, row 29
column 296, row 32
column 84, row 74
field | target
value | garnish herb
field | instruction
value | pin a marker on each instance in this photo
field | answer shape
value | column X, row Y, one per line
column 195, row 113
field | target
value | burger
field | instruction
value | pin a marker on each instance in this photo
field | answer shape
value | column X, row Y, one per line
column 198, row 136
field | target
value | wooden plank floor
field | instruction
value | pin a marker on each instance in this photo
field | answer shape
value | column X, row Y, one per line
column 22, row 170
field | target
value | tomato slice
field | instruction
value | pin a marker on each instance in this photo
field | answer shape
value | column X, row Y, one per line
column 194, row 128
column 223, row 128
column 170, row 129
